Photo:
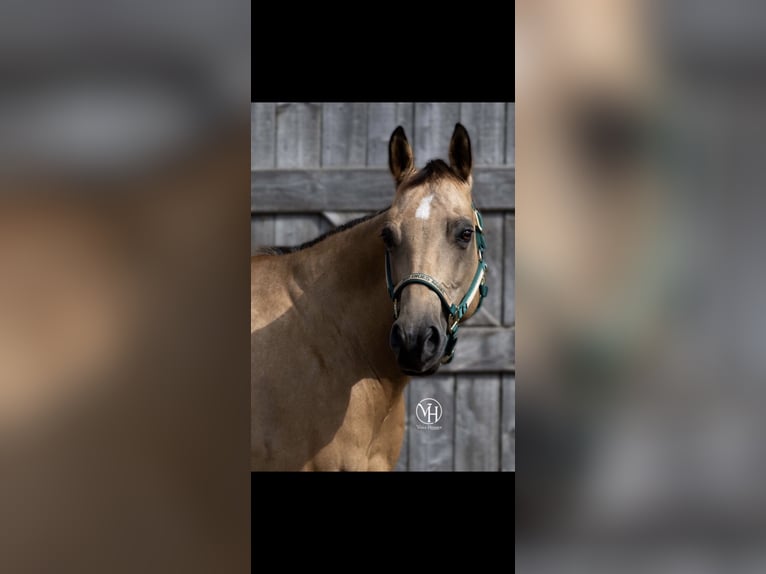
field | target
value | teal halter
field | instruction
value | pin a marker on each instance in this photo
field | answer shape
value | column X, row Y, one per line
column 455, row 313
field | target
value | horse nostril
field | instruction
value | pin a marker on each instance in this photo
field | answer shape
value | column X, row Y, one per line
column 417, row 346
column 431, row 341
column 398, row 337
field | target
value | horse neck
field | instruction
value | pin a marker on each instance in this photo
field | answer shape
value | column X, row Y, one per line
column 344, row 279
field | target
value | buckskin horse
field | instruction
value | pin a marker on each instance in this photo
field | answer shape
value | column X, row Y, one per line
column 329, row 359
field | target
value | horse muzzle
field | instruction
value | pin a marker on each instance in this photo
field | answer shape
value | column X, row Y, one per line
column 418, row 347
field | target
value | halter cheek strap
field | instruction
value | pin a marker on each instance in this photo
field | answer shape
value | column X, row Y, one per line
column 454, row 313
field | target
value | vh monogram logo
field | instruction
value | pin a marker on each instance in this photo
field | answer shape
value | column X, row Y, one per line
column 429, row 411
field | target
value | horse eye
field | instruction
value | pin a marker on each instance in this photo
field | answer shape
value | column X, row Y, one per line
column 388, row 237
column 466, row 235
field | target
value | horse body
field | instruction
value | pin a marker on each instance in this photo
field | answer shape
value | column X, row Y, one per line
column 338, row 324
column 334, row 402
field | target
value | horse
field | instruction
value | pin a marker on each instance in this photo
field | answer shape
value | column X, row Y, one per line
column 329, row 358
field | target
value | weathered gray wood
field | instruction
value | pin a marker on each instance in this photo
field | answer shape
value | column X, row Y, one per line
column 483, row 349
column 298, row 135
column 508, row 424
column 263, row 135
column 344, row 134
column 491, row 312
column 434, row 124
column 382, row 119
column 261, row 231
column 432, row 449
column 365, row 189
column 404, row 458
column 477, row 422
column 486, row 127
column 292, row 229
column 494, row 188
column 510, row 134
column 509, row 266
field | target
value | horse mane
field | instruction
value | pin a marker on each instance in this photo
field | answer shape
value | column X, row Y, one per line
column 281, row 250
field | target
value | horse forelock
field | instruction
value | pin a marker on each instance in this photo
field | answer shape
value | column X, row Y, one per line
column 434, row 172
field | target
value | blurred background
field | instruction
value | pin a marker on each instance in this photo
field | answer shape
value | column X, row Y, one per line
column 123, row 275
column 124, row 173
column 639, row 154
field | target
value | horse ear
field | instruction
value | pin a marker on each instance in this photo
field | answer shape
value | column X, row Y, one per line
column 400, row 158
column 460, row 152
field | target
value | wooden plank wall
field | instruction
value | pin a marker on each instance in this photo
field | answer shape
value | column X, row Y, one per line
column 310, row 161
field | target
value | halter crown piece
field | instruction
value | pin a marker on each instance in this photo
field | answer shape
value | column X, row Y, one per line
column 455, row 313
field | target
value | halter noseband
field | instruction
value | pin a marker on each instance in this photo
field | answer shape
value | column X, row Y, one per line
column 455, row 313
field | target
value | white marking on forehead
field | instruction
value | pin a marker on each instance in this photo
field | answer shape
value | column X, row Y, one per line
column 424, row 209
